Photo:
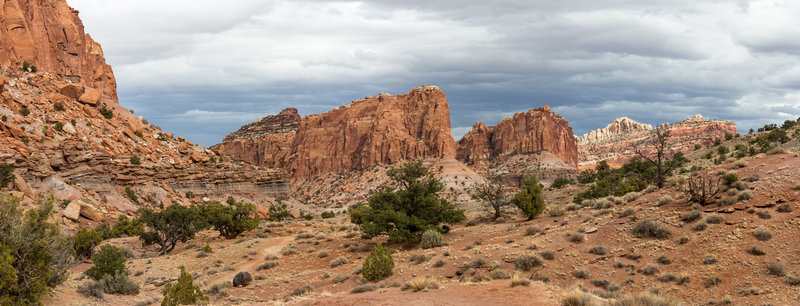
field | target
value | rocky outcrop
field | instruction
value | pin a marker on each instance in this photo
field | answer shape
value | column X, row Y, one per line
column 613, row 144
column 378, row 130
column 49, row 35
column 534, row 131
column 620, row 128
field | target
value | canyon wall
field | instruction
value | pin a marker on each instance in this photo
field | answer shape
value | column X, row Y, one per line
column 378, row 130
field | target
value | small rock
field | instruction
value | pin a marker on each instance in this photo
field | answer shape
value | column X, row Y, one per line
column 242, row 279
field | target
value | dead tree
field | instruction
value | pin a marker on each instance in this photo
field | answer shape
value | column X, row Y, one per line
column 701, row 188
column 494, row 195
column 653, row 149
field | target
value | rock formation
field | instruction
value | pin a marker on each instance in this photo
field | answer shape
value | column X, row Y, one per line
column 378, row 130
column 49, row 35
column 613, row 143
column 535, row 131
column 63, row 131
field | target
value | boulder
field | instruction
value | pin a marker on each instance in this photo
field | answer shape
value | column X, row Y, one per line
column 91, row 212
column 69, row 129
column 91, row 96
column 242, row 279
column 73, row 211
column 73, row 91
column 61, row 190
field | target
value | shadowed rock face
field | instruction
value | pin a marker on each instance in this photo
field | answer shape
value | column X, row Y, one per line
column 49, row 35
column 613, row 143
column 534, row 131
column 378, row 130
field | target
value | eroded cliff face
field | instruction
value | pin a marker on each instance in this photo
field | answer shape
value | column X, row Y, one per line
column 63, row 131
column 531, row 132
column 378, row 130
column 613, row 143
column 49, row 35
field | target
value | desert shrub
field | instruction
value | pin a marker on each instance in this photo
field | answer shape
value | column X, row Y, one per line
column 784, row 208
column 418, row 258
column 762, row 234
column 763, row 214
column 135, row 160
column 302, row 290
column 740, row 185
column 322, row 254
column 777, row 150
column 664, row 260
column 691, row 216
column 364, row 288
column 91, row 289
column 529, row 200
column 727, row 200
column 403, row 213
column 24, row 111
column 709, row 260
column 730, row 178
column 341, row 278
column 627, row 212
column 526, row 262
column 6, row 175
column 170, row 226
column 439, row 263
column 712, row 281
column 548, row 254
column 598, row 250
column 127, row 227
column 580, row 273
column 232, row 219
column 84, row 242
column 644, row 299
column 107, row 113
column 666, row 277
column 792, row 280
column 118, row 283
column 701, row 188
column 338, row 261
column 631, row 196
column 517, row 280
column 431, row 239
column 34, row 256
column 184, row 292
column 575, row 237
column 555, row 211
column 700, row 227
column 420, row 284
column 110, row 260
column 739, row 164
column 561, row 182
column 651, row 229
column 664, row 200
column 775, row 269
column 267, row 265
column 476, row 263
column 683, row 240
column 279, row 211
column 754, row 250
column 531, row 230
column 576, row 297
column 499, row 274
column 714, row 219
column 684, row 279
column 327, row 214
column 378, row 265
column 744, row 195
column 649, row 269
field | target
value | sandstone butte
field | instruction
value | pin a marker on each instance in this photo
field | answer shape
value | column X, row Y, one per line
column 56, row 137
column 531, row 132
column 377, row 130
column 613, row 143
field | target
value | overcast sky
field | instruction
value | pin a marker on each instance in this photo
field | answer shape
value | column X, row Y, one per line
column 203, row 68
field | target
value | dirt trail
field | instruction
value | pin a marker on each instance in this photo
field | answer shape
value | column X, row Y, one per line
column 273, row 247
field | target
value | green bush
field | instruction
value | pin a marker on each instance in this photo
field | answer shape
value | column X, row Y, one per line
column 730, row 178
column 279, row 211
column 651, row 229
column 431, row 239
column 132, row 195
column 231, row 220
column 110, row 260
column 529, row 199
column 378, row 265
column 170, row 226
column 58, row 126
column 28, row 67
column 24, row 111
column 84, row 242
column 59, row 106
column 34, row 256
column 184, row 292
column 561, row 182
column 6, row 175
column 128, row 227
column 135, row 160
column 405, row 212
column 107, row 113
column 327, row 214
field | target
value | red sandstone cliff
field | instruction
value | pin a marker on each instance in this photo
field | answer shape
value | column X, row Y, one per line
column 537, row 130
column 377, row 130
column 49, row 35
column 613, row 143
